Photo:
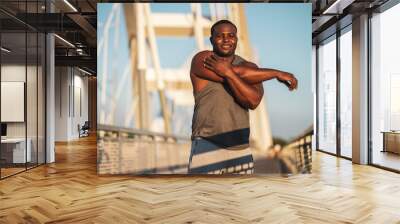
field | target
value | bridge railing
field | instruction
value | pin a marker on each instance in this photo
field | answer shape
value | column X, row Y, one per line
column 112, row 131
column 133, row 151
column 302, row 147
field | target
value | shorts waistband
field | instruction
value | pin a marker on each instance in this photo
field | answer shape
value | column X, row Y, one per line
column 197, row 138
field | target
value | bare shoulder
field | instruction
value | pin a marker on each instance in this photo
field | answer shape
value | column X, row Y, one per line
column 247, row 63
column 197, row 70
column 200, row 56
column 197, row 61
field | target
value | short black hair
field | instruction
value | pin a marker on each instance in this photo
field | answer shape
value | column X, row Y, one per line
column 223, row 21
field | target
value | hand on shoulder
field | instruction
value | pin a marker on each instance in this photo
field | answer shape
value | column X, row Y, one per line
column 199, row 71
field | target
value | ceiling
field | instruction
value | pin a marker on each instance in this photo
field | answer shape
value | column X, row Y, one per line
column 332, row 15
column 73, row 20
column 76, row 22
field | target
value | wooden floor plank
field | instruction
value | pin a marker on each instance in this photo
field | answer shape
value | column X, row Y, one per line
column 70, row 191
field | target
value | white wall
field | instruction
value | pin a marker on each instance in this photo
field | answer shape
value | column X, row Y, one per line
column 12, row 73
column 61, row 103
column 13, row 100
column 33, row 126
column 71, row 94
column 79, row 112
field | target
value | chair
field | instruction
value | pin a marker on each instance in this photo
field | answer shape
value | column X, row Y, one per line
column 84, row 130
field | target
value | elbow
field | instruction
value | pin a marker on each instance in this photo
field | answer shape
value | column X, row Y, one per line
column 252, row 107
column 253, row 104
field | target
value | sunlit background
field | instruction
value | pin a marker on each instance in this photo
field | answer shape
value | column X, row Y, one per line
column 280, row 36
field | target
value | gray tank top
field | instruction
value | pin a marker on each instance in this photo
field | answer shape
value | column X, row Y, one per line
column 219, row 118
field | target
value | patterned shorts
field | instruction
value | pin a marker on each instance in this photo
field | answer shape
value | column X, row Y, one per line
column 208, row 158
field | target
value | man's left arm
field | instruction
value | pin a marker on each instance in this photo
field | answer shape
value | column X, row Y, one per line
column 251, row 93
column 252, row 74
column 249, row 96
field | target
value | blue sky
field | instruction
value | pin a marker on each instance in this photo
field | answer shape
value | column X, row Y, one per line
column 280, row 35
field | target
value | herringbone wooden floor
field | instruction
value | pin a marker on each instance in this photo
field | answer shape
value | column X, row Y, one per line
column 70, row 191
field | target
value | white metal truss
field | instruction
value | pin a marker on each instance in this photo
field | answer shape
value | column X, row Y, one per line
column 144, row 26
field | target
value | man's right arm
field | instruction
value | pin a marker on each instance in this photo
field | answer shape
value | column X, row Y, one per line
column 197, row 68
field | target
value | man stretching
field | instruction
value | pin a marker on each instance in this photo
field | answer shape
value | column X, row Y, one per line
column 225, row 87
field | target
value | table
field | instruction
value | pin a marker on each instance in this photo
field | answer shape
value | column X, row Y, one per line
column 391, row 141
column 16, row 147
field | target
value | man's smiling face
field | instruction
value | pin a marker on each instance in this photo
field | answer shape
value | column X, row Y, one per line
column 224, row 40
